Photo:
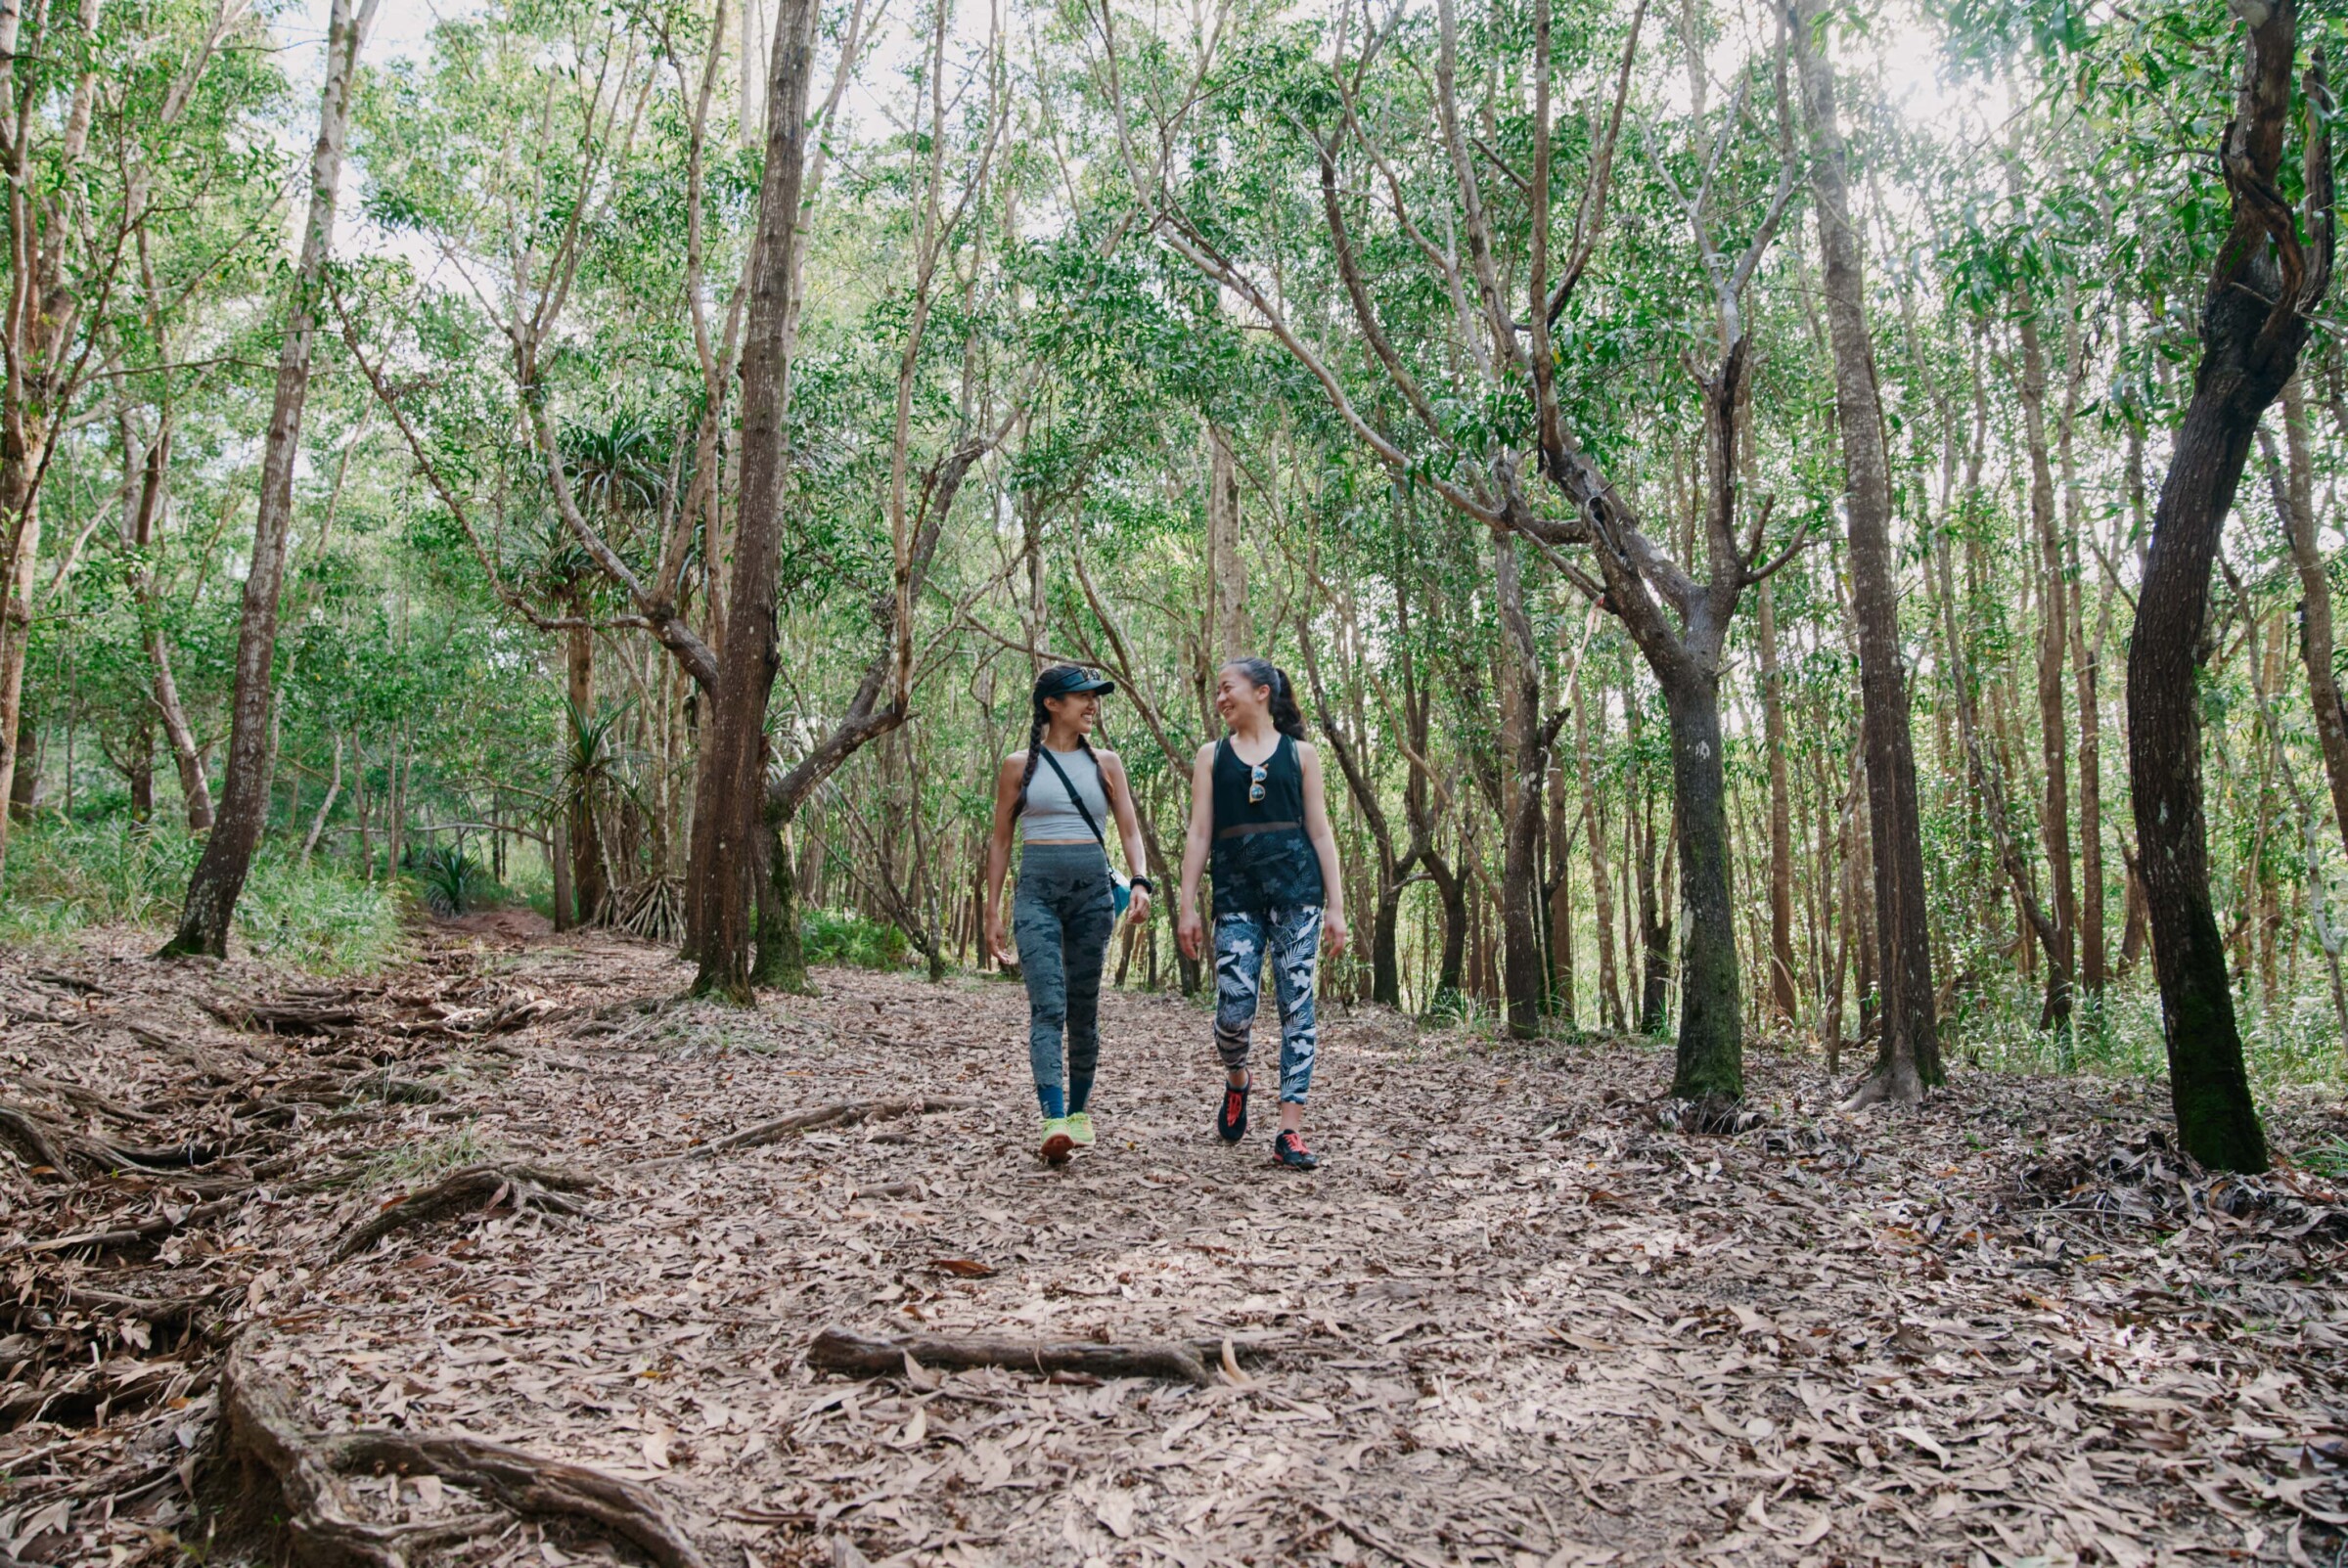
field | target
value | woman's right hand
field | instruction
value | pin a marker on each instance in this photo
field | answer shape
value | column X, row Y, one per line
column 996, row 943
column 1190, row 931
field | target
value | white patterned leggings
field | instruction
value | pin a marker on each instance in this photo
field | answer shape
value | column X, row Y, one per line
column 1290, row 938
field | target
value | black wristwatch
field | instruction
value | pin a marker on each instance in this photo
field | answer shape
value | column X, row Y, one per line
column 1142, row 882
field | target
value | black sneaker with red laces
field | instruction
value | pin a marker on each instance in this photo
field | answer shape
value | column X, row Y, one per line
column 1231, row 1122
column 1289, row 1149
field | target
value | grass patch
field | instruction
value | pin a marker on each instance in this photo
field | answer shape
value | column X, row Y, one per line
column 64, row 878
column 843, row 936
column 2327, row 1159
column 416, row 1164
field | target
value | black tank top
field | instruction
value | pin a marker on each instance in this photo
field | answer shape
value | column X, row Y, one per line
column 1261, row 858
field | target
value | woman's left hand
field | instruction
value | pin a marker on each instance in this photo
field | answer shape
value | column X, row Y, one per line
column 1334, row 934
column 1138, row 910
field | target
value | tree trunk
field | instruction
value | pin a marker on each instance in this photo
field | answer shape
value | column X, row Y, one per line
column 589, row 886
column 1601, row 889
column 194, row 788
column 1908, row 1057
column 1235, row 632
column 18, row 503
column 334, row 789
column 1561, row 987
column 1451, row 889
column 1711, row 1064
column 1524, row 972
column 1783, row 997
column 219, row 879
column 2087, row 659
column 2249, row 348
column 721, row 880
column 2296, row 502
column 2054, row 648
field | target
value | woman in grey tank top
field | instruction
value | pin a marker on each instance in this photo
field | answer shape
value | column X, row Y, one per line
column 1064, row 794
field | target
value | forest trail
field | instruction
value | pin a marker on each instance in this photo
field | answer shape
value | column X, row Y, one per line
column 1514, row 1318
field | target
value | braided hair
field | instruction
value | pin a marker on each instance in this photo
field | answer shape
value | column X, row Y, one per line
column 1286, row 717
column 1041, row 717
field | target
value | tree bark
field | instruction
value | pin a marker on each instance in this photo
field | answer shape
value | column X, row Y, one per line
column 2086, row 658
column 1601, row 891
column 194, row 788
column 2054, row 648
column 1235, row 632
column 721, row 878
column 212, row 892
column 1523, row 972
column 2295, row 500
column 589, row 886
column 1653, row 929
column 1709, row 1065
column 1783, row 999
column 1451, row 889
column 1361, row 782
column 2254, row 320
column 1560, row 907
column 1908, row 1055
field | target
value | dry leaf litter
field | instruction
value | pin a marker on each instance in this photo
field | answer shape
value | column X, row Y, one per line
column 512, row 1257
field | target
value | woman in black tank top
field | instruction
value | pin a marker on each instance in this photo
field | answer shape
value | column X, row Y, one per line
column 1258, row 813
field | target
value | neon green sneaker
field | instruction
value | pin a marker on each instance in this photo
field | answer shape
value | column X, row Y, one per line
column 1058, row 1144
column 1080, row 1128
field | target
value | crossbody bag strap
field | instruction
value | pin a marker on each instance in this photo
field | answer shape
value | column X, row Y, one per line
column 1077, row 800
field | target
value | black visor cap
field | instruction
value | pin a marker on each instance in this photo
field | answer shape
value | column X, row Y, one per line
column 1069, row 680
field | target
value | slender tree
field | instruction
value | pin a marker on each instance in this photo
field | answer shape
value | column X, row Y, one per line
column 219, row 877
column 2272, row 269
column 1907, row 1054
column 721, row 886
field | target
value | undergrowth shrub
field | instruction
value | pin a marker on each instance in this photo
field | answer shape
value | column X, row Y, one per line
column 65, row 877
column 844, row 936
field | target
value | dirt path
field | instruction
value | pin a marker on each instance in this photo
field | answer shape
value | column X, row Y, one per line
column 1515, row 1318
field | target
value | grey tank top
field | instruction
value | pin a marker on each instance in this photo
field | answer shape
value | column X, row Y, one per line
column 1049, row 815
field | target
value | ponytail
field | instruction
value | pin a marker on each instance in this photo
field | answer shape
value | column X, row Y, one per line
column 1286, row 717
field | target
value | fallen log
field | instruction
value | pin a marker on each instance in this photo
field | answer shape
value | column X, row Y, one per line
column 484, row 1187
column 261, row 1432
column 845, row 1113
column 836, row 1350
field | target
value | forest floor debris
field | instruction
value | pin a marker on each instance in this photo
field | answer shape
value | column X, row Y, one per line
column 1515, row 1318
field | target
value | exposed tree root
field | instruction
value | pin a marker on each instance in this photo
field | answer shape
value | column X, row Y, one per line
column 836, row 1350
column 144, row 1230
column 1714, row 1115
column 44, row 1142
column 484, row 1187
column 1895, row 1083
column 39, row 1143
column 79, row 1094
column 847, row 1113
column 262, row 1434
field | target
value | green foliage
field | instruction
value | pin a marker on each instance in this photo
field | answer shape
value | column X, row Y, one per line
column 66, row 877
column 452, row 882
column 844, row 936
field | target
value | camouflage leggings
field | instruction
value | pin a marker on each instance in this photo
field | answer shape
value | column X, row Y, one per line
column 1061, row 918
column 1292, row 939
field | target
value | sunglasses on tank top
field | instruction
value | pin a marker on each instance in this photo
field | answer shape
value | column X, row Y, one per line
column 1255, row 782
